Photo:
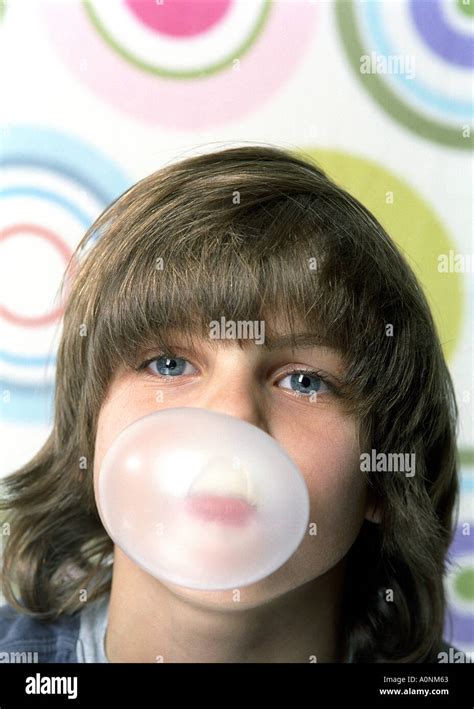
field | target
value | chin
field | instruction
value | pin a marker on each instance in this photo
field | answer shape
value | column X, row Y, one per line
column 248, row 597
column 244, row 598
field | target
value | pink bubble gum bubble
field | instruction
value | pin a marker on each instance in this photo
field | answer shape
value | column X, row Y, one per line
column 202, row 499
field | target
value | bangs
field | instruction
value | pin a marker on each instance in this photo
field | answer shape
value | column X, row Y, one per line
column 175, row 254
column 257, row 270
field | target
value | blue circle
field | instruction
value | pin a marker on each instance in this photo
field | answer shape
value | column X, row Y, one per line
column 36, row 146
column 40, row 193
column 382, row 45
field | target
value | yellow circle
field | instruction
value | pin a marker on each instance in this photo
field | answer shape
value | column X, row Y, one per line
column 412, row 224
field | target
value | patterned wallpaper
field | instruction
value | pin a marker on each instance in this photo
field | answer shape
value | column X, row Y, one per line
column 95, row 95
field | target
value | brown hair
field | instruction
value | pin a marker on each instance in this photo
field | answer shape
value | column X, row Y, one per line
column 236, row 231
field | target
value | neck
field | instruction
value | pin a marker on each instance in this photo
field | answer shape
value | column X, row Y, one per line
column 151, row 622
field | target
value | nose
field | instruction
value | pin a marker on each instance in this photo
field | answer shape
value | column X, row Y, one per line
column 232, row 390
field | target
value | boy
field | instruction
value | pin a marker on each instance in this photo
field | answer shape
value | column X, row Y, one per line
column 250, row 234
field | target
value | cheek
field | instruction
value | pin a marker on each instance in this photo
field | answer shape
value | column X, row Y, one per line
column 338, row 504
column 107, row 429
column 327, row 453
column 120, row 408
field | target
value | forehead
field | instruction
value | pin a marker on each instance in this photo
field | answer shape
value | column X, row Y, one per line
column 278, row 342
column 271, row 334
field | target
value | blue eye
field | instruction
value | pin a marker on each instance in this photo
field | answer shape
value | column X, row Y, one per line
column 305, row 383
column 301, row 382
column 168, row 366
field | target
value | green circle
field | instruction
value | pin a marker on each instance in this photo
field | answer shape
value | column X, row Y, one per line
column 464, row 584
column 466, row 8
column 3, row 7
column 412, row 224
column 346, row 17
column 170, row 73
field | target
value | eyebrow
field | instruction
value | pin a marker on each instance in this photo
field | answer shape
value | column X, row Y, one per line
column 298, row 340
column 301, row 340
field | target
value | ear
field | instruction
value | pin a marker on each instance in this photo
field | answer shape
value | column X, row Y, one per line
column 373, row 508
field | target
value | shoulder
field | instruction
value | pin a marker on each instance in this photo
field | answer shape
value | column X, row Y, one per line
column 26, row 639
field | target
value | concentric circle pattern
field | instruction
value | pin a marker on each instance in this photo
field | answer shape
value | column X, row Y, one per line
column 415, row 58
column 179, row 39
column 52, row 188
column 460, row 586
column 180, row 64
column 414, row 226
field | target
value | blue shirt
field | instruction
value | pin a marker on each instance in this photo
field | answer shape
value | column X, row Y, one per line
column 72, row 638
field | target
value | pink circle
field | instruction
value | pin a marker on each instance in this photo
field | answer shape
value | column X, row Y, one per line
column 60, row 246
column 186, row 104
column 179, row 18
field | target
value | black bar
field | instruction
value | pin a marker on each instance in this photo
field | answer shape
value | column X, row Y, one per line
column 311, row 685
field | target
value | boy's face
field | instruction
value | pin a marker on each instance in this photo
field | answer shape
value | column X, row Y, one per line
column 257, row 386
